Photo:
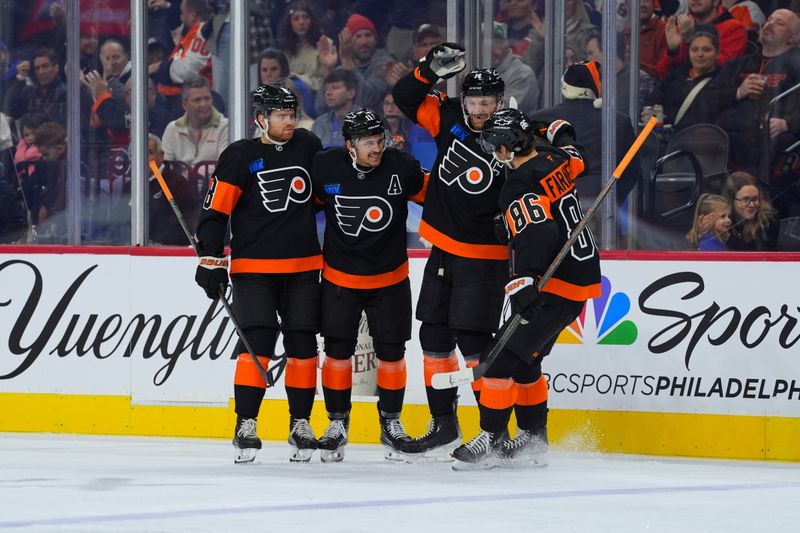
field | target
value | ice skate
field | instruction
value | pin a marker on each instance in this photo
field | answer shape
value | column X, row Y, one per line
column 527, row 449
column 333, row 441
column 481, row 453
column 245, row 440
column 301, row 440
column 437, row 444
column 396, row 442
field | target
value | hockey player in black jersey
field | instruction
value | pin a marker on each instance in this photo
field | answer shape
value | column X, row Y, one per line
column 263, row 187
column 541, row 207
column 365, row 188
column 461, row 296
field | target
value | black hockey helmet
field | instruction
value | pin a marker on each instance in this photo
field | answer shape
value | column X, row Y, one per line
column 509, row 127
column 483, row 82
column 267, row 98
column 362, row 123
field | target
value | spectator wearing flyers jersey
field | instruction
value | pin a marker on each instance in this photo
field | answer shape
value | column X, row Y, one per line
column 190, row 57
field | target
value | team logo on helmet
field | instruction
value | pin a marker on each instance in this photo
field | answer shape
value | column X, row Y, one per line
column 478, row 174
column 284, row 185
column 370, row 213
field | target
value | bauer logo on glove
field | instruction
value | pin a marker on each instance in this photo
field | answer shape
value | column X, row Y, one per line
column 445, row 60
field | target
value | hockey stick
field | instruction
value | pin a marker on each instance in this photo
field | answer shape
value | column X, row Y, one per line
column 266, row 374
column 447, row 380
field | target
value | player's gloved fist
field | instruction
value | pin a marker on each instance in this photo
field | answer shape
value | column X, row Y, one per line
column 211, row 273
column 500, row 228
column 446, row 60
column 524, row 296
column 560, row 133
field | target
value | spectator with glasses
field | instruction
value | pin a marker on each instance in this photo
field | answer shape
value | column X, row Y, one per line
column 755, row 226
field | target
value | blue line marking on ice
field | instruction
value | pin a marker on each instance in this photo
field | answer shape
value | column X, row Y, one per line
column 636, row 491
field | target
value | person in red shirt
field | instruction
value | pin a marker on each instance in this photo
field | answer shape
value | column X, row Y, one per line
column 652, row 40
column 680, row 28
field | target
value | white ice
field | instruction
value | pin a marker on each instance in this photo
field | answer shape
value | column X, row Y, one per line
column 87, row 483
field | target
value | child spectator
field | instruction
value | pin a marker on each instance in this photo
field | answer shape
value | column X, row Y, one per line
column 712, row 223
column 45, row 187
column 26, row 148
column 755, row 226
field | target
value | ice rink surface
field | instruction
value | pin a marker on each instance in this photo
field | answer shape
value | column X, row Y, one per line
column 89, row 483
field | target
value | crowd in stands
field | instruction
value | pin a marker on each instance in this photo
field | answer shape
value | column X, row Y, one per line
column 720, row 62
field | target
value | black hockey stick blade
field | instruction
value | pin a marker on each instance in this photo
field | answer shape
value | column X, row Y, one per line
column 448, row 380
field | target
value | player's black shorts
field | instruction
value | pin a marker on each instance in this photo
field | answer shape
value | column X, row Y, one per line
column 258, row 299
column 388, row 311
column 462, row 293
column 541, row 333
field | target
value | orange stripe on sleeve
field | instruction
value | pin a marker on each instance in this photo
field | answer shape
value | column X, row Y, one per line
column 532, row 393
column 436, row 365
column 462, row 249
column 570, row 291
column 392, row 375
column 498, row 393
column 337, row 374
column 428, row 114
column 247, row 372
column 420, row 196
column 301, row 373
column 223, row 196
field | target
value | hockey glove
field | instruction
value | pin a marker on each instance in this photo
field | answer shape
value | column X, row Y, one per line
column 524, row 296
column 560, row 133
column 211, row 273
column 445, row 60
column 500, row 228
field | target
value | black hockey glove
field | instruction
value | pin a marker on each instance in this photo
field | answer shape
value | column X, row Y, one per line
column 211, row 273
column 445, row 60
column 500, row 228
column 524, row 296
column 561, row 133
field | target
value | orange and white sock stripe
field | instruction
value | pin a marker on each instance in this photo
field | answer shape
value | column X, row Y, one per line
column 247, row 372
column 532, row 393
column 301, row 373
column 337, row 374
column 498, row 393
column 392, row 375
column 436, row 363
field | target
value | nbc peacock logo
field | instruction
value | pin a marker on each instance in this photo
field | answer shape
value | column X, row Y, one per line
column 607, row 324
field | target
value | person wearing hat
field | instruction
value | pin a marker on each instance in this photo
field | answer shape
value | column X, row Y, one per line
column 581, row 107
column 521, row 81
column 357, row 52
column 425, row 37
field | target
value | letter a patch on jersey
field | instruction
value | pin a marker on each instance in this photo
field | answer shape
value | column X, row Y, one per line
column 464, row 167
column 394, row 186
column 370, row 213
column 284, row 185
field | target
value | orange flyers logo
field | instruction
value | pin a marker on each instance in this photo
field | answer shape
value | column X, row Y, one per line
column 464, row 167
column 370, row 213
column 281, row 186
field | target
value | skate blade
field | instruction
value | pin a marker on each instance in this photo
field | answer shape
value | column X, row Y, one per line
column 245, row 455
column 538, row 461
column 442, row 454
column 332, row 456
column 396, row 456
column 461, row 466
column 300, row 455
